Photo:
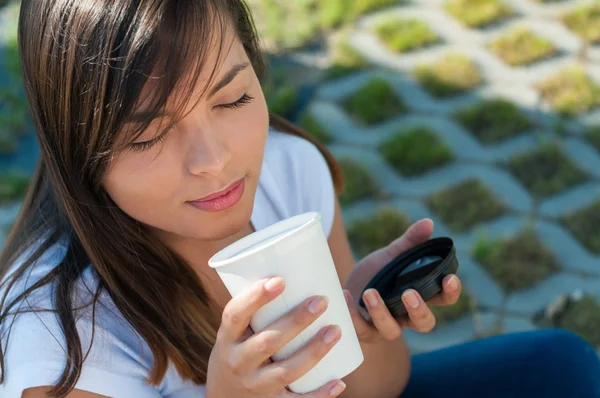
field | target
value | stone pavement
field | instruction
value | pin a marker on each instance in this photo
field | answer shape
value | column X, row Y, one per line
column 496, row 310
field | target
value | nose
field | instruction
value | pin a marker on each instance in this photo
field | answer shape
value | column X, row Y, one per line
column 206, row 153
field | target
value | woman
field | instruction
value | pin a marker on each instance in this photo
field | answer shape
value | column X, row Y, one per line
column 157, row 151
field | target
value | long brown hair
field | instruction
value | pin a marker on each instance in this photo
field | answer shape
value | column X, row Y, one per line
column 84, row 65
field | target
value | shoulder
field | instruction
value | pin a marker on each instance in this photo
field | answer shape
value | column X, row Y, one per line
column 297, row 174
column 35, row 347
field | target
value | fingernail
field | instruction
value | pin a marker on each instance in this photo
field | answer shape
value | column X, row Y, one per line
column 331, row 334
column 411, row 299
column 317, row 305
column 337, row 389
column 371, row 298
column 274, row 284
column 453, row 283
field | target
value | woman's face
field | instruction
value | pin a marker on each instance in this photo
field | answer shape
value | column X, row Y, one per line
column 199, row 180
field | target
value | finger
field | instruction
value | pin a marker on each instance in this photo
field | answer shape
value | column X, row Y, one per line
column 384, row 322
column 264, row 344
column 364, row 330
column 451, row 289
column 421, row 317
column 237, row 313
column 332, row 389
column 416, row 234
column 282, row 373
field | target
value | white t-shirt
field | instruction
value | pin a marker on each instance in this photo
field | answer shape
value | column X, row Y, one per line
column 294, row 179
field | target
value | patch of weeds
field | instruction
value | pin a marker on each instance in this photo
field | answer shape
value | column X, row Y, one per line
column 402, row 35
column 346, row 60
column 451, row 75
column 13, row 186
column 8, row 142
column 374, row 102
column 311, row 125
column 583, row 318
column 415, row 151
column 521, row 47
column 364, row 6
column 593, row 136
column 466, row 205
column 494, row 120
column 547, row 171
column 333, row 13
column 517, row 262
column 11, row 49
column 359, row 183
column 444, row 315
column 583, row 224
column 370, row 234
column 585, row 22
column 570, row 91
column 479, row 13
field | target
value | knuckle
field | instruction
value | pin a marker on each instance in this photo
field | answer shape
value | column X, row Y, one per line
column 266, row 343
column 231, row 316
column 249, row 384
column 235, row 364
column 395, row 334
column 428, row 324
column 318, row 350
column 283, row 376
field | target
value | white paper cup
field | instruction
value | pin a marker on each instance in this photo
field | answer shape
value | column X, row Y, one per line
column 295, row 249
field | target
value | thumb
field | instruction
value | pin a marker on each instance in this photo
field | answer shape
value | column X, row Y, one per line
column 332, row 389
column 416, row 234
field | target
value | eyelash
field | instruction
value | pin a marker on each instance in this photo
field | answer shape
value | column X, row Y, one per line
column 144, row 146
column 246, row 99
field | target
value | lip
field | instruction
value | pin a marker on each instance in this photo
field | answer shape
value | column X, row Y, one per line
column 222, row 200
column 220, row 193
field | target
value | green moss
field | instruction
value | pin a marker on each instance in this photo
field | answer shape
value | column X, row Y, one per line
column 494, row 120
column 359, row 183
column 8, row 143
column 451, row 75
column 478, row 13
column 373, row 103
column 450, row 313
column 570, row 91
column 583, row 318
column 521, row 46
column 370, row 234
column 516, row 263
column 593, row 136
column 364, row 6
column 466, row 205
column 415, row 151
column 546, row 172
column 583, row 224
column 346, row 60
column 11, row 49
column 333, row 13
column 585, row 22
column 402, row 35
column 13, row 186
column 282, row 100
column 310, row 124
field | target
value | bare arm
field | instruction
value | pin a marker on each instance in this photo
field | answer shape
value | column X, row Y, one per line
column 40, row 392
column 386, row 368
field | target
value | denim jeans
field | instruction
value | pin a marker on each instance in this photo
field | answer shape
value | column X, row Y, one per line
column 544, row 363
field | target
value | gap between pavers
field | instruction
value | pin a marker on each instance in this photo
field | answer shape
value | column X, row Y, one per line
column 530, row 301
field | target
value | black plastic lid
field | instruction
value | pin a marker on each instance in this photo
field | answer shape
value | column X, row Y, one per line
column 422, row 268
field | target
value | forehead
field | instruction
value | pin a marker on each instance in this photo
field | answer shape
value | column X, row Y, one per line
column 217, row 56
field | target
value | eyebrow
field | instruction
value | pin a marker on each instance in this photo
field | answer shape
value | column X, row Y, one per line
column 228, row 78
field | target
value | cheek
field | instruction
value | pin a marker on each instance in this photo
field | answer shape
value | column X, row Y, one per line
column 139, row 185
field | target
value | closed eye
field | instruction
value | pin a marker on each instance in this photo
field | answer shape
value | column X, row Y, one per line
column 244, row 100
